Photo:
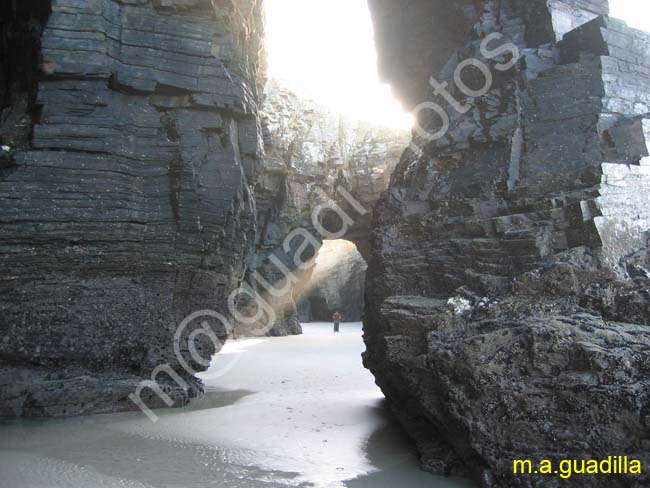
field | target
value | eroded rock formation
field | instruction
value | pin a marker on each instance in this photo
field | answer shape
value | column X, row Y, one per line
column 311, row 152
column 134, row 192
column 133, row 139
column 507, row 291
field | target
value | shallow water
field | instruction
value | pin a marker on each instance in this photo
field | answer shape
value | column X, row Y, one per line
column 278, row 412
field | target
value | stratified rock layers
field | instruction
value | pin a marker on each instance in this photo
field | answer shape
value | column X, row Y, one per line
column 129, row 206
column 507, row 295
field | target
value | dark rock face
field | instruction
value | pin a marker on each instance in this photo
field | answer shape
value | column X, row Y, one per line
column 507, row 290
column 126, row 205
column 417, row 41
column 21, row 26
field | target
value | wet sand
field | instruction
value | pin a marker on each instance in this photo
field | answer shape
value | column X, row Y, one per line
column 278, row 412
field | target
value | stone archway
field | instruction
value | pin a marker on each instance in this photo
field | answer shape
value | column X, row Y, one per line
column 323, row 174
column 336, row 284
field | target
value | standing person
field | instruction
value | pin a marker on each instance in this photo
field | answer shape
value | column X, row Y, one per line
column 336, row 318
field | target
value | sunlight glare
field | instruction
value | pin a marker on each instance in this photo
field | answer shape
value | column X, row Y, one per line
column 635, row 12
column 325, row 50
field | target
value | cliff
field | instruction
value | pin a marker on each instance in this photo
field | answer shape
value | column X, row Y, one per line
column 506, row 303
column 132, row 137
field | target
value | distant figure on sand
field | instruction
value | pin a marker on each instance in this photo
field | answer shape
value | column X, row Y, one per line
column 337, row 317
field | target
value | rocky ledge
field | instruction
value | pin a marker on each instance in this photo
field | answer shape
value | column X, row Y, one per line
column 507, row 292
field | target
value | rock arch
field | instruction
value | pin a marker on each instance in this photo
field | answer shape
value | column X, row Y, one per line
column 320, row 169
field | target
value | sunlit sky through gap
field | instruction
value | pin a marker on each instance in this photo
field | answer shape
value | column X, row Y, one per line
column 635, row 12
column 324, row 50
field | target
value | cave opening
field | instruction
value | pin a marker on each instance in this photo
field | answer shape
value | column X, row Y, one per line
column 21, row 27
column 336, row 284
column 333, row 134
column 129, row 207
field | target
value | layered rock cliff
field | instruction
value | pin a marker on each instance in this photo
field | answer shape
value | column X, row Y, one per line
column 132, row 139
column 507, row 290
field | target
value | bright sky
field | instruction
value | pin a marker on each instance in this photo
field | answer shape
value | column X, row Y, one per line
column 325, row 50
column 635, row 12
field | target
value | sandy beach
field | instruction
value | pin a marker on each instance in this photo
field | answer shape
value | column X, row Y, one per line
column 278, row 412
